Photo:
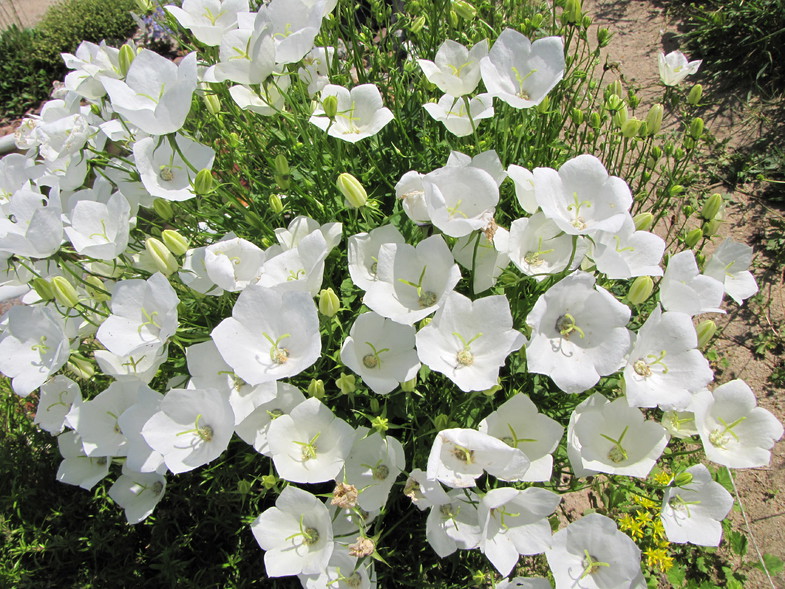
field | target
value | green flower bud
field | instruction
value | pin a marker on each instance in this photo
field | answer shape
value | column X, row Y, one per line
column 577, row 116
column 645, row 177
column 656, row 152
column 595, row 122
column 64, row 292
column 621, row 116
column 696, row 128
column 163, row 259
column 640, row 290
column 244, row 487
column 695, row 95
column 668, row 148
column 603, row 37
column 711, row 207
column 126, row 57
column 705, row 330
column 352, row 190
column 43, row 288
column 97, row 289
column 633, row 100
column 269, row 481
column 693, row 237
column 330, row 106
column 163, row 208
column 630, row 128
column 586, row 21
column 441, row 421
column 346, row 383
column 544, row 106
column 417, row 25
column 280, row 165
column 234, row 140
column 454, row 19
column 465, row 10
column 316, row 388
column 654, row 119
column 203, row 183
column 212, row 102
column 176, row 243
column 676, row 190
column 80, row 367
column 329, row 303
column 689, row 143
column 276, row 204
column 688, row 210
column 711, row 227
column 614, row 89
column 409, row 385
column 643, row 221
column 572, row 11
column 643, row 130
column 145, row 6
column 682, row 479
column 679, row 153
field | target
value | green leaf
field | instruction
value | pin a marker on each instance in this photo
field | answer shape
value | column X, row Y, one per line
column 677, row 575
column 738, row 543
column 773, row 564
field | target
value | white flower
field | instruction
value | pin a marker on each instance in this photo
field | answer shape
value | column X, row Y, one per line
column 488, row 161
column 342, row 572
column 191, row 428
column 314, row 71
column 299, row 268
column 99, row 230
column 674, row 67
column 411, row 193
column 515, row 522
column 254, row 429
column 627, row 253
column 208, row 20
column 30, row 224
column 469, row 341
column 693, row 512
column 293, row 25
column 461, row 119
column 578, row 333
column 524, row 188
column 57, row 397
column 234, row 263
column 734, row 431
column 539, row 248
column 271, row 334
column 77, row 468
column 164, row 171
column 664, row 367
column 454, row 524
column 364, row 253
column 490, row 260
column 581, row 198
column 412, row 281
column 459, row 456
column 301, row 227
column 246, row 56
column 460, row 199
column 296, row 534
column 591, row 553
column 680, row 424
column 194, row 273
column 140, row 456
column 90, row 61
column 381, row 352
column 156, row 94
column 730, row 265
column 456, row 69
column 520, row 72
column 137, row 493
column 424, row 492
column 360, row 113
column 270, row 98
column 310, row 444
column 518, row 423
column 372, row 466
column 685, row 290
column 612, row 437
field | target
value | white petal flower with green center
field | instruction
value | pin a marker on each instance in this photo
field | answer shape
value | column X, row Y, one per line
column 685, row 290
column 268, row 100
column 255, row 428
column 524, row 188
column 581, row 197
column 300, row 268
column 455, row 69
column 296, row 534
column 99, row 230
column 518, row 423
column 521, row 73
column 89, row 62
column 310, row 444
column 515, row 522
column 591, row 553
column 361, row 113
column 627, row 253
column 372, row 466
column 412, row 281
column 293, row 24
column 315, row 69
column 142, row 365
column 140, row 456
column 674, row 67
column 460, row 456
column 424, row 492
column 232, row 264
column 77, row 468
column 411, row 193
column 364, row 253
column 680, row 424
column 301, row 226
column 469, row 341
column 167, row 172
column 665, row 368
column 30, row 224
column 539, row 248
column 488, row 161
column 58, row 395
column 246, row 55
column 271, row 334
column 734, row 431
column 144, row 314
column 460, row 200
column 342, row 572
column 192, row 428
column 137, row 493
column 454, row 524
column 614, row 438
column 208, row 20
column 693, row 508
column 730, row 265
column 381, row 352
column 579, row 333
column 461, row 117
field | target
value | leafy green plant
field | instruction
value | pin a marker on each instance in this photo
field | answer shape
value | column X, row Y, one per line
column 24, row 80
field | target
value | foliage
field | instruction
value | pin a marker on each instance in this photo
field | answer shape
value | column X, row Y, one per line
column 24, row 80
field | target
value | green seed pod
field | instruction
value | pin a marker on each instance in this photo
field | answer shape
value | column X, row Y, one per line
column 163, row 259
column 203, row 183
column 126, row 58
column 705, row 330
column 643, row 221
column 316, row 388
column 656, row 152
column 693, row 237
column 630, row 128
column 711, row 227
column 64, row 292
column 696, row 128
column 176, row 243
column 346, row 383
column 329, row 303
column 654, row 119
column 276, row 204
column 640, row 290
column 163, row 208
column 711, row 207
column 352, row 190
column 330, row 106
column 688, row 210
column 695, row 95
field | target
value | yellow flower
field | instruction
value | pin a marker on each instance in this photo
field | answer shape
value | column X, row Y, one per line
column 644, row 517
column 644, row 502
column 657, row 529
column 663, row 477
column 626, row 522
column 658, row 557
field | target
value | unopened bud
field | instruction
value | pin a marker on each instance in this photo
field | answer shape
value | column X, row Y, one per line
column 316, row 388
column 693, row 237
column 544, row 105
column 97, row 289
column 203, row 183
column 676, row 190
column 696, row 128
column 441, row 421
column 163, row 208
column 454, row 19
column 614, row 89
column 711, row 227
column 212, row 103
column 64, row 292
column 656, row 152
column 234, row 140
column 417, row 25
column 346, row 383
column 621, row 116
column 695, row 95
column 682, row 479
column 640, row 290
column 643, row 221
column 163, row 259
column 81, row 367
column 465, row 10
column 705, row 330
column 409, row 385
column 577, row 116
column 712, row 206
column 43, row 288
column 630, row 128
column 613, row 102
column 572, row 11
column 603, row 37
column 595, row 122
column 654, row 119
column 276, row 204
column 126, row 57
column 351, row 188
column 330, row 106
column 329, row 303
column 176, row 243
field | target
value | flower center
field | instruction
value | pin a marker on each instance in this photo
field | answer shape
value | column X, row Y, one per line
column 370, row 361
column 463, row 454
column 465, row 358
column 591, row 565
column 381, row 472
column 617, row 454
column 427, row 299
column 566, row 326
column 166, row 174
column 310, row 536
column 720, row 438
column 641, row 368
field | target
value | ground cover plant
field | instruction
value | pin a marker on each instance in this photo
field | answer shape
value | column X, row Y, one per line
column 363, row 301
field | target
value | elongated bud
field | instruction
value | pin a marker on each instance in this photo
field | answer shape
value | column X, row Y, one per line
column 163, row 208
column 630, row 128
column 696, row 128
column 329, row 303
column 603, row 37
column 43, row 288
column 441, row 421
column 417, row 25
column 203, row 183
column 595, row 121
column 682, row 479
column 276, row 204
column 640, row 290
column 712, row 206
column 282, row 173
column 145, row 6
column 212, row 103
column 654, row 119
column 614, row 89
column 176, row 243
column 409, row 385
column 711, row 227
column 126, row 57
column 330, row 106
column 465, row 10
column 621, row 116
column 693, row 237
column 316, row 388
column 695, row 95
column 97, row 289
column 64, row 292
column 163, row 259
column 643, row 221
column 352, row 190
column 572, row 12
column 454, row 19
column 577, row 116
column 81, row 367
column 346, row 383
column 706, row 330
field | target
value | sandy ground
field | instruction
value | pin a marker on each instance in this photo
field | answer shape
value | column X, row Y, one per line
column 23, row 13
